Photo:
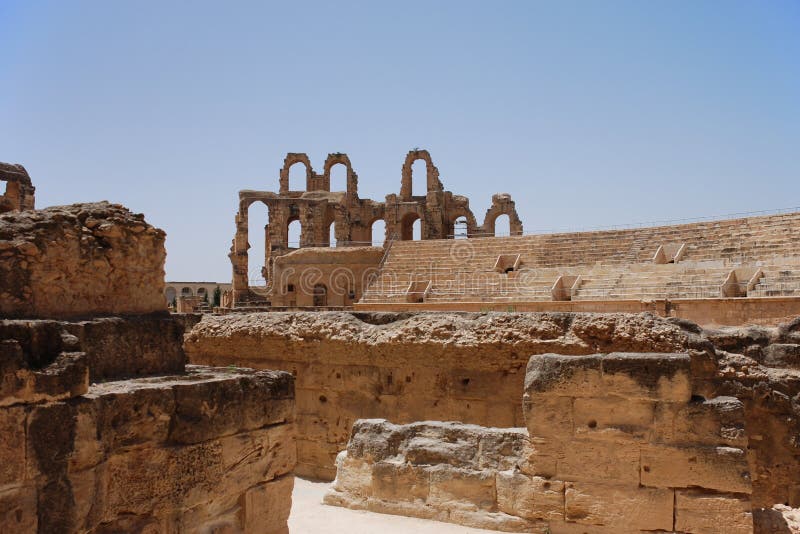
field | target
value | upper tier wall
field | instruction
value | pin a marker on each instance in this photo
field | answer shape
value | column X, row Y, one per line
column 80, row 260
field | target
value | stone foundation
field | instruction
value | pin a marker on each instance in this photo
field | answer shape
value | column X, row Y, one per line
column 617, row 444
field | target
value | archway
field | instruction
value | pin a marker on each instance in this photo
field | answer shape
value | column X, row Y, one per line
column 332, row 234
column 297, row 176
column 320, row 295
column 419, row 178
column 410, row 227
column 186, row 292
column 460, row 228
column 294, row 232
column 257, row 223
column 171, row 294
column 338, row 177
column 378, row 233
column 502, row 226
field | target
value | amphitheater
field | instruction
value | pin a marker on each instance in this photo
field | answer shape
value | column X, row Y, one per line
column 644, row 379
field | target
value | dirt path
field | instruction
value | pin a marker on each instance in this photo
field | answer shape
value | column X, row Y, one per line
column 310, row 516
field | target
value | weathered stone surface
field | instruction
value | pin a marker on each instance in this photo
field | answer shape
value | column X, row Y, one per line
column 410, row 367
column 108, row 459
column 619, row 508
column 111, row 347
column 718, row 468
column 697, row 511
column 80, row 260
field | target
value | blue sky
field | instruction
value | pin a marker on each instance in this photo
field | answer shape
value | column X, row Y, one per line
column 588, row 113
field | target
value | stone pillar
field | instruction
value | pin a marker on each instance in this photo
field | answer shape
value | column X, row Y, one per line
column 239, row 260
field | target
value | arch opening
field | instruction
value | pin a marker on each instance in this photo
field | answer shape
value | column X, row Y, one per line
column 378, row 233
column 186, row 292
column 332, row 234
column 257, row 230
column 320, row 295
column 411, row 228
column 460, row 229
column 419, row 178
column 502, row 225
column 297, row 176
column 293, row 232
column 338, row 177
column 171, row 295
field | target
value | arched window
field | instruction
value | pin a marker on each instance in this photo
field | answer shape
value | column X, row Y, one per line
column 171, row 295
column 186, row 292
column 257, row 221
column 502, row 226
column 297, row 177
column 338, row 175
column 294, row 233
column 378, row 233
column 460, row 228
column 419, row 178
column 410, row 228
column 332, row 234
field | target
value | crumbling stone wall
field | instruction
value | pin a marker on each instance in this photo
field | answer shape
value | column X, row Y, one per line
column 211, row 448
column 80, row 260
column 317, row 208
column 470, row 367
column 409, row 367
column 103, row 428
column 615, row 443
column 16, row 188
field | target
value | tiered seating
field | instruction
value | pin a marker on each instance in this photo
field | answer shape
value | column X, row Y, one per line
column 616, row 264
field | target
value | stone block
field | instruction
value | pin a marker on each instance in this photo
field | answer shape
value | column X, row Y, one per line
column 461, row 489
column 648, row 376
column 549, row 416
column 18, row 510
column 613, row 417
column 265, row 507
column 395, row 481
column 599, row 460
column 34, row 374
column 529, row 497
column 353, row 476
column 220, row 405
column 624, row 508
column 567, row 376
column 701, row 512
column 718, row 468
column 717, row 422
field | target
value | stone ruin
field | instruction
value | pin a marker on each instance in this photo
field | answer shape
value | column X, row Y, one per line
column 117, row 416
column 105, row 428
column 317, row 208
column 19, row 192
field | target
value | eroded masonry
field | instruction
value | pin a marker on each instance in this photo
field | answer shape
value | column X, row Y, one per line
column 116, row 416
column 103, row 425
column 317, row 208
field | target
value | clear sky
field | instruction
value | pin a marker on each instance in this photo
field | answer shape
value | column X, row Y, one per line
column 589, row 113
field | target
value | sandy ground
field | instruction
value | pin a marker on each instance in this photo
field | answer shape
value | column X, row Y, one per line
column 310, row 516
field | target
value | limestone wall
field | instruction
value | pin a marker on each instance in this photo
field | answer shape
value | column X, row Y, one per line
column 406, row 368
column 209, row 449
column 616, row 443
column 80, row 260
